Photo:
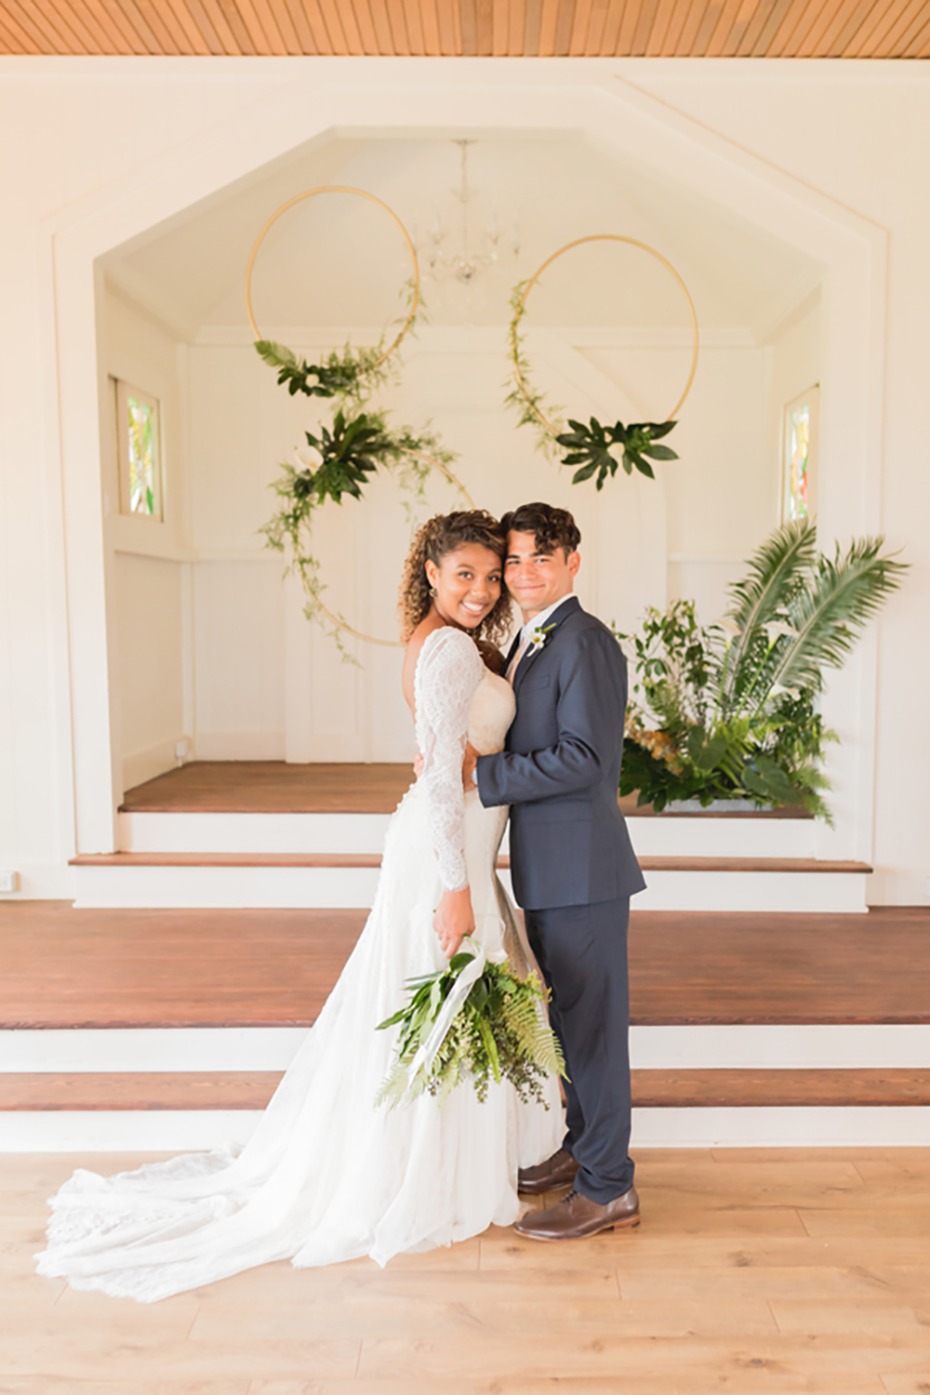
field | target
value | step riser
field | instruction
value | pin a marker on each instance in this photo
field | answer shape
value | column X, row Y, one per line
column 182, row 1049
column 252, row 833
column 180, row 1130
column 364, row 833
column 326, row 888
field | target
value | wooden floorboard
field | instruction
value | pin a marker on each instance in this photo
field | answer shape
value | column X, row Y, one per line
column 652, row 1089
column 755, row 1272
column 648, row 864
column 61, row 967
column 275, row 787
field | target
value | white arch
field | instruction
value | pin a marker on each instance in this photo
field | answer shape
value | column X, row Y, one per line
column 597, row 100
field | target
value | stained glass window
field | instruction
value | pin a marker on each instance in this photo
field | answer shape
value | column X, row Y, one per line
column 139, row 452
column 798, row 466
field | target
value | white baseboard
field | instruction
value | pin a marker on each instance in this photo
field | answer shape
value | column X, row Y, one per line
column 64, row 1131
column 239, row 745
column 41, row 881
column 846, row 1047
column 143, row 765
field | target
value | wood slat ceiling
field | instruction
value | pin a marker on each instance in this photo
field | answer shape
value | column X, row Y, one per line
column 471, row 28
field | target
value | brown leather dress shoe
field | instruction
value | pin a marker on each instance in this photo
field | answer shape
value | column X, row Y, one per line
column 557, row 1171
column 575, row 1217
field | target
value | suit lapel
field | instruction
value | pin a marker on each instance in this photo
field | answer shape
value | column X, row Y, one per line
column 566, row 609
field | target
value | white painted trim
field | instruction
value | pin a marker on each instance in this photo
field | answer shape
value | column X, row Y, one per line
column 42, row 881
column 329, row 888
column 143, row 765
column 109, row 1131
column 835, row 1126
column 252, row 833
column 743, row 1046
column 239, row 745
column 65, row 1131
column 676, row 1047
column 667, row 836
column 117, row 1049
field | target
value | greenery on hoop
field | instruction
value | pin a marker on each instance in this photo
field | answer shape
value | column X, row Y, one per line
column 356, row 444
column 596, row 449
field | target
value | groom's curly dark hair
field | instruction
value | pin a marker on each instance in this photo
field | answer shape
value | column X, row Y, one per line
column 550, row 526
column 437, row 537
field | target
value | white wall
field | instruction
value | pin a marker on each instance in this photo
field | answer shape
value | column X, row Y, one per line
column 855, row 133
column 147, row 580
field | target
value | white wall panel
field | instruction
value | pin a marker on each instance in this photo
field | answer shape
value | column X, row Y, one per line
column 239, row 661
column 149, row 629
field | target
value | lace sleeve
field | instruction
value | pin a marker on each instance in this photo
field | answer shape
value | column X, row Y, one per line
column 448, row 671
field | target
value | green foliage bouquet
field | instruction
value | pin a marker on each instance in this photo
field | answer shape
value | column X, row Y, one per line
column 730, row 711
column 476, row 1020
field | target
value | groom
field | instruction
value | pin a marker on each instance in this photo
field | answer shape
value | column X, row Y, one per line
column 573, row 867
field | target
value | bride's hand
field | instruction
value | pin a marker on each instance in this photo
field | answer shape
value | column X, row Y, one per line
column 468, row 767
column 453, row 920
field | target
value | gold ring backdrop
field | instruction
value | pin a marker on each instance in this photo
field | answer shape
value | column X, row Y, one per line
column 358, row 193
column 338, row 623
column 526, row 392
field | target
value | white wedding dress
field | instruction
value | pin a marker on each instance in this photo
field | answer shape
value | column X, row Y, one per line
column 328, row 1175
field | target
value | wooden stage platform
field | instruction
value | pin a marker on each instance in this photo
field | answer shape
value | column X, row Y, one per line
column 62, row 968
column 157, row 971
column 86, row 970
column 274, row 787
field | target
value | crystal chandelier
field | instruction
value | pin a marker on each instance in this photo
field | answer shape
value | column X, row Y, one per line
column 470, row 254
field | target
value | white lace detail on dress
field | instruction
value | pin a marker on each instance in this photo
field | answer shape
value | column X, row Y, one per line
column 448, row 672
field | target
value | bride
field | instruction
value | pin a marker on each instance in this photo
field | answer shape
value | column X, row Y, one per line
column 328, row 1175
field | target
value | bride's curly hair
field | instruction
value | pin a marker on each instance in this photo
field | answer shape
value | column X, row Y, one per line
column 437, row 537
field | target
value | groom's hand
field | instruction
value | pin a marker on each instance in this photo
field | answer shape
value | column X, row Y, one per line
column 468, row 767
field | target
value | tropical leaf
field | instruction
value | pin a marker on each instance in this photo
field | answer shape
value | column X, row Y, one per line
column 776, row 572
column 831, row 611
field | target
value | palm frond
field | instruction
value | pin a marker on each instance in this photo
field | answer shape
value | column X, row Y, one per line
column 776, row 573
column 830, row 612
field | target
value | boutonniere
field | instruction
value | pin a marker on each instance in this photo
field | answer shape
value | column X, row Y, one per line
column 538, row 638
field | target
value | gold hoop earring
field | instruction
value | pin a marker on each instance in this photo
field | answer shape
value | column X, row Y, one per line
column 433, row 592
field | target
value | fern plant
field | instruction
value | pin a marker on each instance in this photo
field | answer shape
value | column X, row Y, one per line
column 730, row 711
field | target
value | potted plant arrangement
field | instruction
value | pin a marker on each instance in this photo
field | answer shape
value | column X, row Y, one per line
column 729, row 711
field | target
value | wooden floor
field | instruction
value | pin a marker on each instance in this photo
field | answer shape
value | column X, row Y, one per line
column 753, row 1273
column 61, row 967
column 273, row 787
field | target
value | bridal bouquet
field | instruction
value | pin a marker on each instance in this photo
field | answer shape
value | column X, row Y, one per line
column 476, row 1019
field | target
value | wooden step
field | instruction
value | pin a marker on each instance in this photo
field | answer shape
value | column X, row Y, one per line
column 652, row 1089
column 373, row 860
column 67, row 968
column 265, row 787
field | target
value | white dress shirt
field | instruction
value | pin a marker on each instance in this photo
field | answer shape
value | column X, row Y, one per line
column 526, row 634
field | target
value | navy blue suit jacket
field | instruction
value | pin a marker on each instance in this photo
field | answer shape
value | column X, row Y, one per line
column 569, row 843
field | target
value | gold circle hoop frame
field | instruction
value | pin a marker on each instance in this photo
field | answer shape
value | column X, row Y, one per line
column 361, row 194
column 525, row 392
column 338, row 623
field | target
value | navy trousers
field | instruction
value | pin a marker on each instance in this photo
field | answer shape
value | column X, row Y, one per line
column 582, row 952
